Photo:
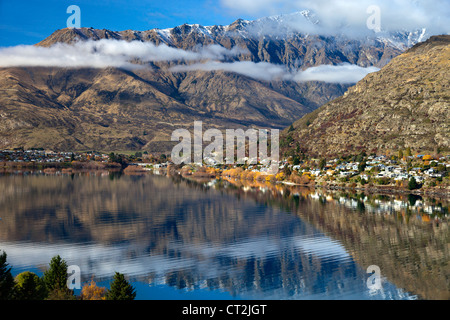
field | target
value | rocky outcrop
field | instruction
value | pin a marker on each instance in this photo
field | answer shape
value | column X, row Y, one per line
column 405, row 104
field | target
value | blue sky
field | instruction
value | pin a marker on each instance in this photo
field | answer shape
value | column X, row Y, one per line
column 28, row 22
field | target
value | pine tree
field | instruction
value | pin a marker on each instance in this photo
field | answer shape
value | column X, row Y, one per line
column 120, row 289
column 412, row 184
column 362, row 166
column 55, row 279
column 408, row 152
column 291, row 128
column 56, row 276
column 322, row 164
column 29, row 287
column 6, row 279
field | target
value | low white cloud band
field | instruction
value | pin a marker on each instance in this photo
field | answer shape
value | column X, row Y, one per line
column 116, row 53
column 106, row 53
column 344, row 73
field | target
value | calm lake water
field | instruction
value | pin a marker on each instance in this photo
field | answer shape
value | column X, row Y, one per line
column 177, row 239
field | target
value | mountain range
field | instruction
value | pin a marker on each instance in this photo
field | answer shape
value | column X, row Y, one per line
column 114, row 108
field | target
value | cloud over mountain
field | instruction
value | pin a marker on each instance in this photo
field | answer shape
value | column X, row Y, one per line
column 118, row 53
column 107, row 53
column 342, row 74
column 350, row 16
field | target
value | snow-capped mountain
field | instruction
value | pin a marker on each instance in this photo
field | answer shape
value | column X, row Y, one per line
column 112, row 107
column 302, row 27
column 298, row 24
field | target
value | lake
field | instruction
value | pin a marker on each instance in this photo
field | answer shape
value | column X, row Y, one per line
column 179, row 239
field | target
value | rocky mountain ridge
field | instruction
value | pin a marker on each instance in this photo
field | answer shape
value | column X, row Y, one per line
column 404, row 105
column 117, row 109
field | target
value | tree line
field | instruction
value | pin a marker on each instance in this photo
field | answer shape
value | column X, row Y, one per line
column 53, row 285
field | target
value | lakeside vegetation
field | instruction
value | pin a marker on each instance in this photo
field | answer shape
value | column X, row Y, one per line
column 52, row 285
column 424, row 173
column 400, row 171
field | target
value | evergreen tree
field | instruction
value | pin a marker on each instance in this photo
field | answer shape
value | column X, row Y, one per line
column 29, row 287
column 120, row 289
column 112, row 157
column 360, row 157
column 412, row 184
column 6, row 279
column 55, row 279
column 408, row 152
column 56, row 276
column 291, row 128
column 287, row 171
column 322, row 164
column 362, row 166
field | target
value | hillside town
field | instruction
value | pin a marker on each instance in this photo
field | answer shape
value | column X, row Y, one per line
column 40, row 156
column 409, row 172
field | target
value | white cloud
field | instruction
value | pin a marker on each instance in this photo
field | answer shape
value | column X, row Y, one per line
column 343, row 73
column 107, row 53
column 258, row 70
column 115, row 53
column 350, row 16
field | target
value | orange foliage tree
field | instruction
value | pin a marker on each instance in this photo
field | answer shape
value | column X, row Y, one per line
column 92, row 292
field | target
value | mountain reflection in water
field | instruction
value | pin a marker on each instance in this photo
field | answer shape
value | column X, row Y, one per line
column 248, row 241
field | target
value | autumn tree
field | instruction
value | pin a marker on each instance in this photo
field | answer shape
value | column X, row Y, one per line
column 93, row 292
column 120, row 289
column 6, row 279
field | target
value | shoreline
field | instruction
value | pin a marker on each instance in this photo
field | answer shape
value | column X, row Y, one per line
column 391, row 190
column 380, row 190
